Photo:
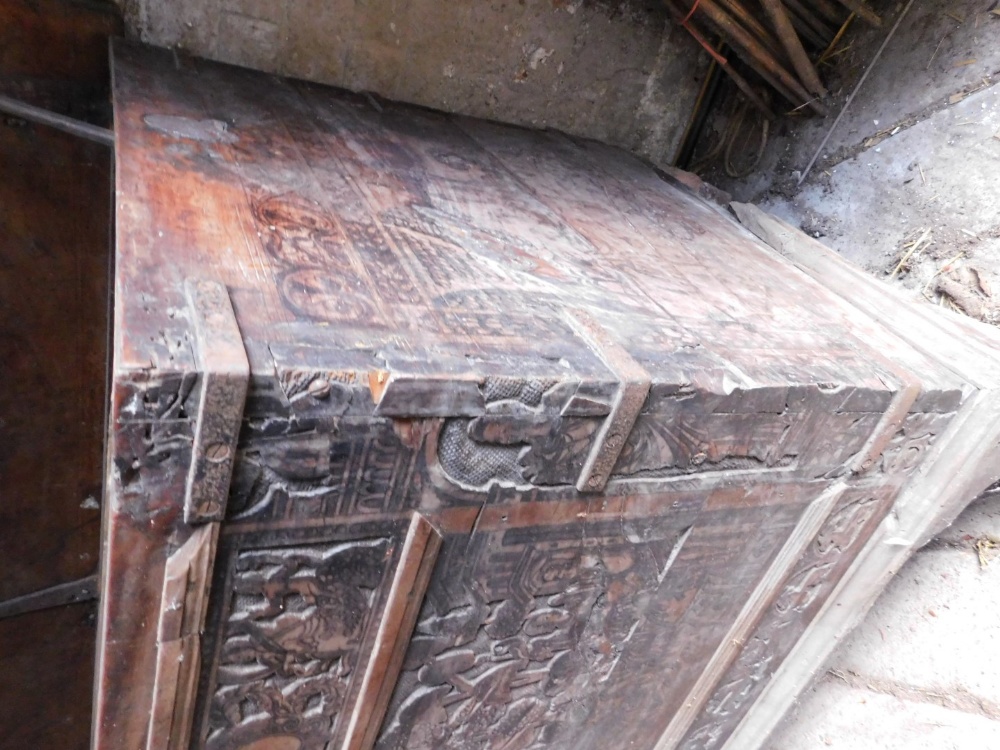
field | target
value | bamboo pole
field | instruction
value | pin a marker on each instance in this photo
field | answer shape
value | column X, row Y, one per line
column 832, row 13
column 754, row 26
column 862, row 10
column 811, row 20
column 679, row 15
column 793, row 45
column 739, row 36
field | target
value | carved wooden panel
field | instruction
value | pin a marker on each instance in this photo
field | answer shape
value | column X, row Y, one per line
column 647, row 450
column 291, row 641
column 299, row 629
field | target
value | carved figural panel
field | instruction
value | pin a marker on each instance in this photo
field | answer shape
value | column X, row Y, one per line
column 534, row 637
column 291, row 642
column 521, row 656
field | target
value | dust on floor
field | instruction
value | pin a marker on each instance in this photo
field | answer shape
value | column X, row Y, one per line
column 908, row 184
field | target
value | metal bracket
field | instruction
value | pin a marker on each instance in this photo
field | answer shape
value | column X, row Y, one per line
column 633, row 388
column 225, row 375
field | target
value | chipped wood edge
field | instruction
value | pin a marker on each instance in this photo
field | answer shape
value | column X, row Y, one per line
column 746, row 622
column 183, row 608
column 406, row 595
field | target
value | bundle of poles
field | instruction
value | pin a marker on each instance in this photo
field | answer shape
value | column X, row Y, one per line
column 781, row 42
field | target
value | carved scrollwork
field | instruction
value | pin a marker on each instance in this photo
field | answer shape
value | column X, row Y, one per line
column 809, row 583
column 907, row 448
column 529, row 435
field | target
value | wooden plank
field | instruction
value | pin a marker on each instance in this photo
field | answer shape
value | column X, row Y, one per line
column 186, row 581
column 413, row 575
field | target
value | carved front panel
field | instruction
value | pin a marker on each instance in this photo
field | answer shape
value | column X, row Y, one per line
column 812, row 579
column 518, row 650
column 291, row 642
column 534, row 636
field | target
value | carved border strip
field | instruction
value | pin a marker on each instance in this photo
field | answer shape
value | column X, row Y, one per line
column 225, row 375
column 746, row 622
column 633, row 387
column 413, row 575
column 890, row 423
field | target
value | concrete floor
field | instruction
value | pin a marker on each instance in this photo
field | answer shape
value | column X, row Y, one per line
column 920, row 673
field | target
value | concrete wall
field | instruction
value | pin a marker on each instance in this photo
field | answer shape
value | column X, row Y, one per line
column 614, row 70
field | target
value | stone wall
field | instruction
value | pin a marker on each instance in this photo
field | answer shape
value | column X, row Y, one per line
column 614, row 70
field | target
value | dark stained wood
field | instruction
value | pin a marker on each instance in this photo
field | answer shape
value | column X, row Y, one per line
column 650, row 446
column 54, row 53
column 55, row 206
column 416, row 566
column 54, row 235
column 46, row 678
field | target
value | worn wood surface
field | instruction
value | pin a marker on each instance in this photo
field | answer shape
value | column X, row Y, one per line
column 651, row 447
column 963, row 462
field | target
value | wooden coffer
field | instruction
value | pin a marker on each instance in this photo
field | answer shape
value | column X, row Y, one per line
column 428, row 432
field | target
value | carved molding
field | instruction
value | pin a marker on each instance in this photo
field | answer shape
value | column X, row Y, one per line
column 413, row 575
column 805, row 531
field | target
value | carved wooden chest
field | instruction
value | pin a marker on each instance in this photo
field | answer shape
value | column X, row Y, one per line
column 433, row 433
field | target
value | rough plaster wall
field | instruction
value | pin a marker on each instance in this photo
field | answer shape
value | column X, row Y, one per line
column 614, row 70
